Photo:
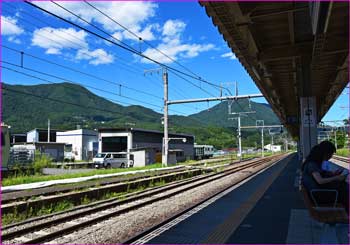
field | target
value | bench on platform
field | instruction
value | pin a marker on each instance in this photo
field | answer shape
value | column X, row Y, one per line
column 329, row 214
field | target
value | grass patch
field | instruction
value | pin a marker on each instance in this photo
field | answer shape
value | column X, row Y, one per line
column 66, row 205
column 344, row 152
column 25, row 179
column 52, row 208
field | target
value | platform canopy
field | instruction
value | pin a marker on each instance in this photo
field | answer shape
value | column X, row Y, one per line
column 289, row 49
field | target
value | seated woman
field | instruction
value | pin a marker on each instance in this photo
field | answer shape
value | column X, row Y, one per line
column 316, row 178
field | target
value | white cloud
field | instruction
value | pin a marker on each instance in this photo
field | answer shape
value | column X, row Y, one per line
column 54, row 40
column 229, row 55
column 118, row 35
column 173, row 27
column 9, row 27
column 96, row 57
column 173, row 46
column 130, row 14
column 146, row 34
column 14, row 40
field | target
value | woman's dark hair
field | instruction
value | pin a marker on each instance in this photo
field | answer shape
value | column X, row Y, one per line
column 317, row 153
column 327, row 147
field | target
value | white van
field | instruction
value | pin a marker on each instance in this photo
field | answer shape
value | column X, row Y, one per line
column 113, row 160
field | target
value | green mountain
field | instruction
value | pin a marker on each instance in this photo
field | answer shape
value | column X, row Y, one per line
column 218, row 115
column 68, row 105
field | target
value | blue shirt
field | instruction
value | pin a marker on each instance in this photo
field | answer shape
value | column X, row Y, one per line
column 308, row 180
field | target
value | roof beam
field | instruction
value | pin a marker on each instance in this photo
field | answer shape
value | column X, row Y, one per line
column 285, row 52
column 279, row 11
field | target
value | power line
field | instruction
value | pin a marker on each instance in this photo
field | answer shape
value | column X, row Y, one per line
column 119, row 58
column 80, row 72
column 84, row 73
column 96, row 27
column 243, row 110
column 45, row 80
column 75, row 43
column 61, row 101
column 140, row 38
column 117, row 44
column 78, row 44
column 192, row 83
column 48, row 81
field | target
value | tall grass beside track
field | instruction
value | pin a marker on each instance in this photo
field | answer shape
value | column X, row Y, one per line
column 26, row 179
column 344, row 152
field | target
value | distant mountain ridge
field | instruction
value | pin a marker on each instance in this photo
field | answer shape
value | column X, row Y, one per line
column 24, row 112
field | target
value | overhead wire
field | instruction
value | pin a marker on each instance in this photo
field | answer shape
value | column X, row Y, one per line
column 80, row 72
column 69, row 68
column 128, row 46
column 55, row 41
column 67, row 80
column 115, row 43
column 140, row 38
column 84, row 73
column 192, row 83
column 125, row 66
column 134, row 50
column 61, row 101
column 13, row 7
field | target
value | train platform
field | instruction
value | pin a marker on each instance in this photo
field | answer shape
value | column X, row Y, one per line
column 268, row 208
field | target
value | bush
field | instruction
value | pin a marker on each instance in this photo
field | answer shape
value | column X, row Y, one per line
column 41, row 161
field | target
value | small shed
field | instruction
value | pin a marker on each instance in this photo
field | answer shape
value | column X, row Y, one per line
column 143, row 156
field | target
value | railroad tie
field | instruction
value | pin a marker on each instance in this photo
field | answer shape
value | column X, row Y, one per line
column 72, row 223
column 40, row 233
column 20, row 240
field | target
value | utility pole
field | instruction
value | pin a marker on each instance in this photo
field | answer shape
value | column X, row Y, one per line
column 166, row 134
column 239, row 128
column 238, row 119
column 262, row 135
column 262, row 132
column 172, row 102
column 48, row 130
column 165, row 145
column 239, row 138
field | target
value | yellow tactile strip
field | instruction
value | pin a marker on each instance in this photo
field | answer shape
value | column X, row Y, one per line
column 222, row 233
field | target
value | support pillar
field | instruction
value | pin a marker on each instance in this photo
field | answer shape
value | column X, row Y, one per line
column 308, row 124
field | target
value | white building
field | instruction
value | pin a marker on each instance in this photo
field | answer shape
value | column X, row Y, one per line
column 41, row 135
column 83, row 143
column 132, row 139
column 273, row 148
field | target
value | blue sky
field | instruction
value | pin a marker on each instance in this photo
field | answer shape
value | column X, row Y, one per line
column 182, row 30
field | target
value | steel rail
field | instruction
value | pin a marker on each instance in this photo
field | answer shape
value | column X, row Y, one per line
column 68, row 229
column 135, row 238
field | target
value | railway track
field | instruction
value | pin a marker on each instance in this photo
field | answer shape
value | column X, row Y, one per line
column 12, row 196
column 26, row 200
column 48, row 228
column 342, row 159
